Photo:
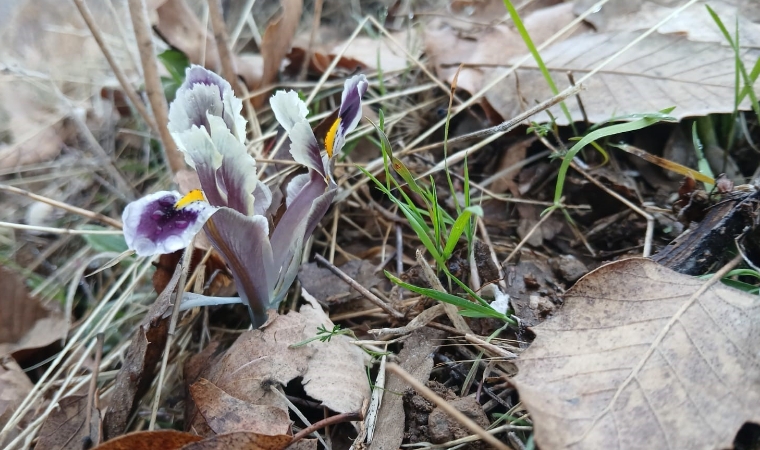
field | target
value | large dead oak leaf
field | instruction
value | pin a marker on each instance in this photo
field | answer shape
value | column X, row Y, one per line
column 643, row 357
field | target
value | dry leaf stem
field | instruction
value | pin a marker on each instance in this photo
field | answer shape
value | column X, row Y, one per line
column 144, row 36
column 312, row 36
column 222, row 42
column 445, row 406
column 125, row 85
column 65, row 206
column 361, row 289
column 187, row 257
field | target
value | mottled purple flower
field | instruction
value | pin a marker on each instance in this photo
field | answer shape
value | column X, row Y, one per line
column 206, row 123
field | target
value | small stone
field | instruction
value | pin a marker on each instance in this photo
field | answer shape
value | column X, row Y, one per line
column 568, row 267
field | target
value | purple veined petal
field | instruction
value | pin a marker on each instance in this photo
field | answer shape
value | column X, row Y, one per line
column 236, row 176
column 262, row 199
column 157, row 224
column 305, row 148
column 288, row 109
column 302, row 216
column 243, row 242
column 349, row 114
column 205, row 93
column 202, row 155
column 295, row 186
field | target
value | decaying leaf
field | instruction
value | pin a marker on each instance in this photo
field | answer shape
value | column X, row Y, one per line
column 332, row 372
column 66, row 427
column 640, row 357
column 150, row 440
column 14, row 386
column 241, row 441
column 25, row 324
column 657, row 73
column 276, row 42
column 226, row 414
column 139, row 366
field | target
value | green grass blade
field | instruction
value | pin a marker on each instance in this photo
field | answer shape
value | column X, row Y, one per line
column 537, row 56
column 467, row 306
column 748, row 82
column 459, row 227
column 645, row 121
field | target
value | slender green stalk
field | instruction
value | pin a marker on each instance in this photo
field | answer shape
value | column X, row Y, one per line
column 537, row 56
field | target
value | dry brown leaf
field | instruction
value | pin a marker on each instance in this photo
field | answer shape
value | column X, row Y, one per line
column 640, row 358
column 693, row 23
column 657, row 73
column 65, row 427
column 179, row 26
column 14, row 386
column 226, row 414
column 25, row 324
column 332, row 372
column 139, row 366
column 241, row 441
column 336, row 373
column 450, row 43
column 150, row 440
column 276, row 42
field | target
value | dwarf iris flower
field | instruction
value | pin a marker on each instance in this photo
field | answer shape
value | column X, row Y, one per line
column 232, row 207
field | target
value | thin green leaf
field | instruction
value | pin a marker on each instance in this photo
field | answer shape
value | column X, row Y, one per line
column 748, row 82
column 537, row 57
column 645, row 121
column 459, row 227
column 466, row 305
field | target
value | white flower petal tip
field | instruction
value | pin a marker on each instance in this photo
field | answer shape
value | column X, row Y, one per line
column 203, row 94
column 164, row 222
column 288, row 109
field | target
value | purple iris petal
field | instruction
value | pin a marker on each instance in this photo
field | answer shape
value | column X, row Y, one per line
column 153, row 225
column 302, row 216
column 244, row 245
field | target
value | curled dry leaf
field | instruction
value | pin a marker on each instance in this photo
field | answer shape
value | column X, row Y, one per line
column 66, row 427
column 150, row 440
column 14, row 386
column 639, row 357
column 226, row 414
column 241, row 441
column 276, row 42
column 332, row 372
column 139, row 366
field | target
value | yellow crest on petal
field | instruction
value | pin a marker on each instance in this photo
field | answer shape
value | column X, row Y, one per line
column 330, row 137
column 196, row 195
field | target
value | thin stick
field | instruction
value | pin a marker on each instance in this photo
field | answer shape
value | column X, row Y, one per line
column 490, row 348
column 526, row 237
column 333, row 420
column 51, row 230
column 222, row 42
column 445, row 406
column 312, row 36
column 185, row 267
column 65, row 206
column 143, row 35
column 92, row 399
column 125, row 84
column 361, row 289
